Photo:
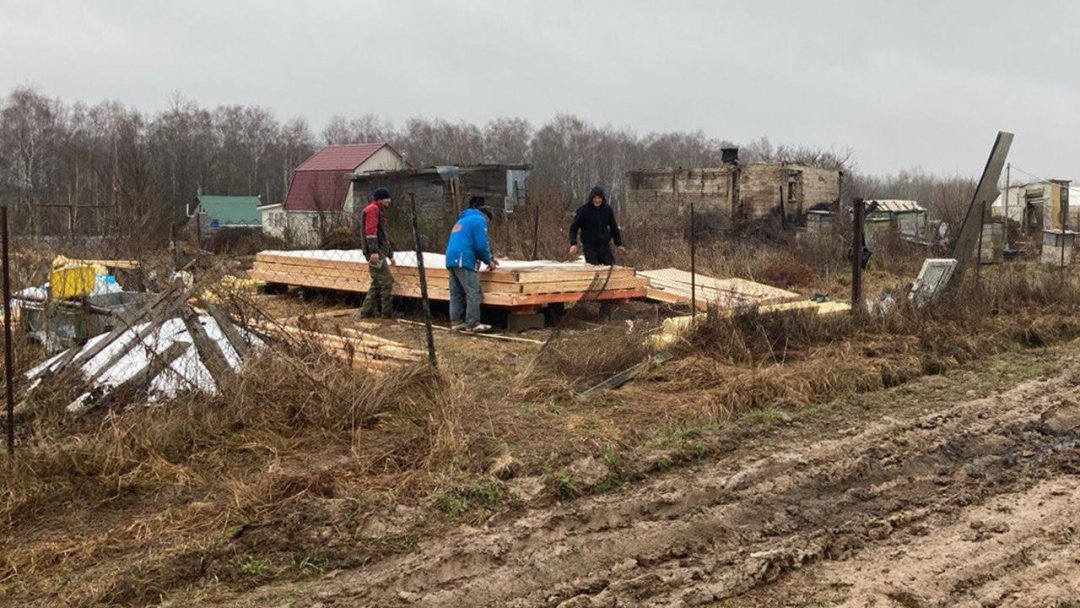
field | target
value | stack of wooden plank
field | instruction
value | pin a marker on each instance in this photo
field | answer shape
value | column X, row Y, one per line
column 673, row 286
column 352, row 346
column 514, row 284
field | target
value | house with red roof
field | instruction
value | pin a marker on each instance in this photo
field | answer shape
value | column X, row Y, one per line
column 320, row 197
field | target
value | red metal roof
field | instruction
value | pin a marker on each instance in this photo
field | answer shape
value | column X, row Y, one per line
column 317, row 191
column 319, row 183
column 339, row 158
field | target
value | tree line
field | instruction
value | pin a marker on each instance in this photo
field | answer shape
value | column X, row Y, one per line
column 81, row 169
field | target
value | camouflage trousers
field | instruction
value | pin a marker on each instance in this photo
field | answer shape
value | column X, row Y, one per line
column 379, row 299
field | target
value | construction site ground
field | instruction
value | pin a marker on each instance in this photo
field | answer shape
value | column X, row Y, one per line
column 929, row 464
column 950, row 490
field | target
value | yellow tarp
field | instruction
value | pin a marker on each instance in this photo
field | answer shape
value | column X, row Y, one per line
column 72, row 282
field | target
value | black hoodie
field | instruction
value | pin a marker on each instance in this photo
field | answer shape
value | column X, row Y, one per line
column 597, row 224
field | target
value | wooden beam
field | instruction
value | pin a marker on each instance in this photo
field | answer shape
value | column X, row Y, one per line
column 232, row 333
column 625, row 376
column 476, row 335
column 209, row 352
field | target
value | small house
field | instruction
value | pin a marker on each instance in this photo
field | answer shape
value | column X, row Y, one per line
column 909, row 218
column 320, row 197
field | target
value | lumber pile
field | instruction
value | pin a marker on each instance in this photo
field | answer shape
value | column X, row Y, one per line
column 673, row 286
column 354, row 347
column 514, row 284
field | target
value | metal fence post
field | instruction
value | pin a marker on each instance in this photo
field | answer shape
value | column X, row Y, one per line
column 9, row 359
column 693, row 264
column 857, row 237
column 423, row 282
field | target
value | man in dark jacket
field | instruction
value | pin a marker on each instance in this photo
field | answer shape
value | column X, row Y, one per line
column 596, row 222
column 379, row 252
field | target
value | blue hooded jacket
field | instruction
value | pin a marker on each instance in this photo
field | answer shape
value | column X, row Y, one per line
column 468, row 241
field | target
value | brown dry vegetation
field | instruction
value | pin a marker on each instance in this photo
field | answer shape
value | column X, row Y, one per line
column 303, row 466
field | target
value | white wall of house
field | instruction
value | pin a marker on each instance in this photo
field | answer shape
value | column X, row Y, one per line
column 384, row 159
column 307, row 228
column 273, row 220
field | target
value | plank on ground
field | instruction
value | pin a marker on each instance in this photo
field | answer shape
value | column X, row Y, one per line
column 674, row 277
column 368, row 345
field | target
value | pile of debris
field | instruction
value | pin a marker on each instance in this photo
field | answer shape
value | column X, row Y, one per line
column 81, row 299
column 167, row 349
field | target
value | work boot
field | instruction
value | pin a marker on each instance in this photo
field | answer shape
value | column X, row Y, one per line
column 459, row 327
column 478, row 328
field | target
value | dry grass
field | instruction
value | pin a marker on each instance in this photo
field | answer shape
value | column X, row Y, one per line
column 302, row 465
column 286, row 436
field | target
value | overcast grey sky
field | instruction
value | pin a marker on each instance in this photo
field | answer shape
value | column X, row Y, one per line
column 904, row 83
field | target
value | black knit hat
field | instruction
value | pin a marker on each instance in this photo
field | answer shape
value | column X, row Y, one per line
column 380, row 194
column 475, row 202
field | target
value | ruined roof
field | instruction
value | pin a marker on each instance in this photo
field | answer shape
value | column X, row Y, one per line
column 897, row 205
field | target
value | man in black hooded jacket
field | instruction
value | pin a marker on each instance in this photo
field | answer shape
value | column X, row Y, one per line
column 596, row 222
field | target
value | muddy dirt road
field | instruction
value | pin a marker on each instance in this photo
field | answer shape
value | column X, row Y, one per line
column 917, row 499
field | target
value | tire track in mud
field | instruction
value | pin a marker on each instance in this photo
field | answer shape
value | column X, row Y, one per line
column 719, row 529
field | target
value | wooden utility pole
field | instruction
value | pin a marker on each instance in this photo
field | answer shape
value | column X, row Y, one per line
column 9, row 358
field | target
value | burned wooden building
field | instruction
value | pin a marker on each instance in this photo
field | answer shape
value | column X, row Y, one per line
column 732, row 192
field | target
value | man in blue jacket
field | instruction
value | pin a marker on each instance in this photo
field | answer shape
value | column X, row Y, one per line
column 467, row 247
